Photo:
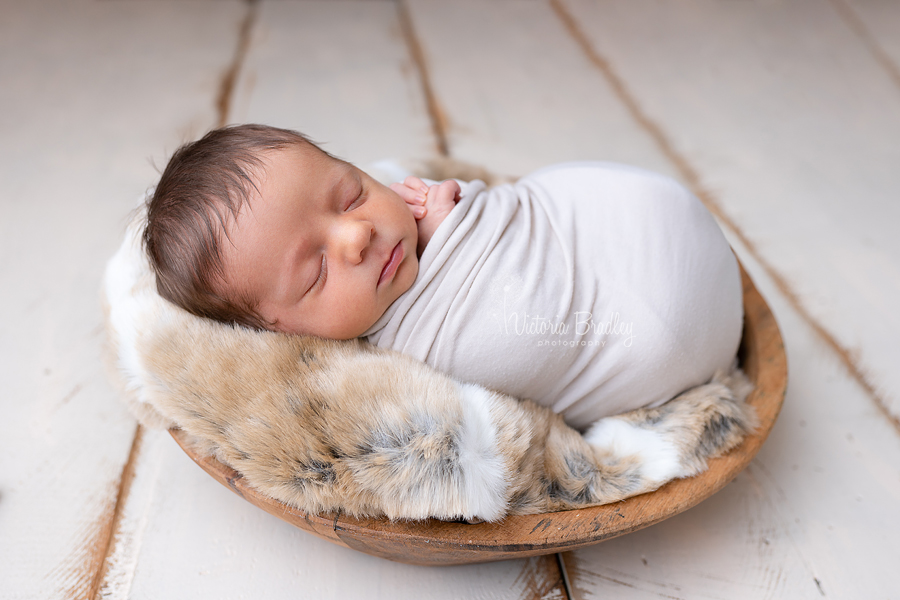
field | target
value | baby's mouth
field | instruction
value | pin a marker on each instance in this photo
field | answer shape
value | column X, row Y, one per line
column 390, row 267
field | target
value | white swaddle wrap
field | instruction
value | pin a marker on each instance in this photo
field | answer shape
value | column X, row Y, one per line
column 591, row 288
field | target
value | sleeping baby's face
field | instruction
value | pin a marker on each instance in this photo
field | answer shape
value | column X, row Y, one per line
column 322, row 249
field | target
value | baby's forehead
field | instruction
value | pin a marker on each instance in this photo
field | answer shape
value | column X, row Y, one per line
column 302, row 177
column 320, row 166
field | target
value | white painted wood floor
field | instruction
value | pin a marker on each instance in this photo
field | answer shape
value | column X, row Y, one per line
column 784, row 115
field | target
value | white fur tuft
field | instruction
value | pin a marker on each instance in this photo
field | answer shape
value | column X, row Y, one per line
column 659, row 457
column 133, row 306
column 483, row 468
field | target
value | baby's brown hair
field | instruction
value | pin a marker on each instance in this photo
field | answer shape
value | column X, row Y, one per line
column 204, row 182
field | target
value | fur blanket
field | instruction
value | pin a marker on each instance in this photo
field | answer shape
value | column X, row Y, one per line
column 328, row 425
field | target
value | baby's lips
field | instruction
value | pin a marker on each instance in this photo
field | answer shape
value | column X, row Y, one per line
column 392, row 263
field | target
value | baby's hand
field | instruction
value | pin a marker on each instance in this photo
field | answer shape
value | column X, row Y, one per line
column 430, row 205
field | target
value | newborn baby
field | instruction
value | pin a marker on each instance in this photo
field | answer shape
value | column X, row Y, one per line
column 591, row 288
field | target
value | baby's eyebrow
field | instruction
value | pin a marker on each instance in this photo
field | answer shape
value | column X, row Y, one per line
column 343, row 183
column 336, row 186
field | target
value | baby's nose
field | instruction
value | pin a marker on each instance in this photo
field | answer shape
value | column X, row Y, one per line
column 355, row 236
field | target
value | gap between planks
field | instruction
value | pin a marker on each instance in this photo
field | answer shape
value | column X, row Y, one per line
column 692, row 178
column 436, row 113
column 567, row 585
column 110, row 527
column 856, row 24
column 230, row 75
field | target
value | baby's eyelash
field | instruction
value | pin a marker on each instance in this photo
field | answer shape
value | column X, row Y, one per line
column 359, row 200
column 323, row 273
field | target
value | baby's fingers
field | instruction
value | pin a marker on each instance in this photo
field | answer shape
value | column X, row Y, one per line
column 415, row 183
column 412, row 190
column 418, row 186
column 452, row 187
column 445, row 194
column 408, row 194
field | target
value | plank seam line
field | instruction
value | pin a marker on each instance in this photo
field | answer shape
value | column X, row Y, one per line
column 229, row 78
column 125, row 481
column 435, row 112
column 567, row 585
column 692, row 179
column 855, row 23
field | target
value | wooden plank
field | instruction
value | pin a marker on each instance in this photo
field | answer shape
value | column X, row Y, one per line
column 339, row 72
column 516, row 93
column 782, row 110
column 90, row 92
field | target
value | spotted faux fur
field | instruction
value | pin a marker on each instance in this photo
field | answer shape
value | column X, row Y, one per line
column 324, row 425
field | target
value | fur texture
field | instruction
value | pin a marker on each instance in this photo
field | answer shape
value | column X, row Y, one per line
column 329, row 425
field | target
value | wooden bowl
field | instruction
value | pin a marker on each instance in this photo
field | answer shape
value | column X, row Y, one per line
column 434, row 542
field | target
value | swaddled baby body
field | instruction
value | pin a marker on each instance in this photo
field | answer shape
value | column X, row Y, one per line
column 592, row 288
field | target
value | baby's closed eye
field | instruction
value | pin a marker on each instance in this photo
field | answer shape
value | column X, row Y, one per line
column 320, row 278
column 357, row 199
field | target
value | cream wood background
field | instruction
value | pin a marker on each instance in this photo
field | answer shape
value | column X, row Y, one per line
column 784, row 115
